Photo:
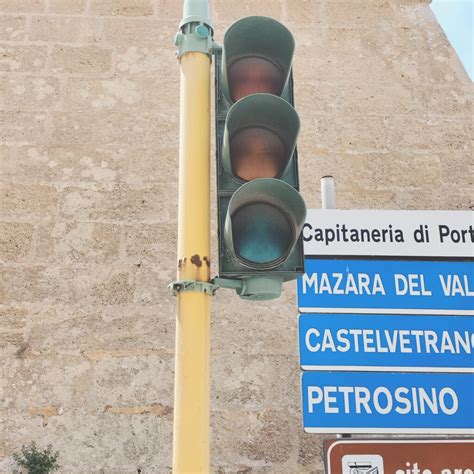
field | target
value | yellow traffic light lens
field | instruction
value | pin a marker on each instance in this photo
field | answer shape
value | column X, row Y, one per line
column 257, row 152
column 262, row 234
column 252, row 75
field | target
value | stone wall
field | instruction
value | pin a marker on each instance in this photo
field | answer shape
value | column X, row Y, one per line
column 88, row 146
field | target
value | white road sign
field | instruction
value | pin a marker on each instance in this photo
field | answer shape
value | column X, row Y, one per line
column 445, row 234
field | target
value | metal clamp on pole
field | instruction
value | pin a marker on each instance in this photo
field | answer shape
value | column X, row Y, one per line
column 209, row 288
column 195, row 29
column 192, row 285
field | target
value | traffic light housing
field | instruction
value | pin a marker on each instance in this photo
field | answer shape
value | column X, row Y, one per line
column 260, row 211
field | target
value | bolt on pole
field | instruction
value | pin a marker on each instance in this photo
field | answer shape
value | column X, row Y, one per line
column 192, row 354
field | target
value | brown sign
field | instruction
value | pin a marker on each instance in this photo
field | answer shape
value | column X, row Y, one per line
column 407, row 456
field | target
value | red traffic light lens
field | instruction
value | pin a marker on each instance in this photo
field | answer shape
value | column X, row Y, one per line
column 252, row 75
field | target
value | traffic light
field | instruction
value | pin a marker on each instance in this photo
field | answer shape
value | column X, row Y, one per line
column 260, row 211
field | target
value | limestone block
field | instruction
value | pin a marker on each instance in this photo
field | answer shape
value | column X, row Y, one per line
column 13, row 319
column 150, row 60
column 355, row 98
column 357, row 14
column 376, row 171
column 169, row 10
column 355, row 198
column 65, row 284
column 122, row 7
column 66, row 6
column 121, row 204
column 340, row 66
column 439, row 197
column 416, row 14
column 62, row 164
column 446, row 101
column 17, row 126
column 152, row 285
column 30, row 93
column 80, row 59
column 15, row 429
column 139, row 31
column 35, row 284
column 242, row 327
column 141, row 429
column 259, row 439
column 21, row 58
column 26, row 6
column 310, row 452
column 118, row 94
column 233, row 11
column 298, row 13
column 335, row 133
column 457, row 170
column 11, row 343
column 12, row 28
column 427, row 66
column 81, row 242
column 45, row 412
column 255, row 382
column 237, row 386
column 130, row 381
column 108, row 442
column 116, row 442
column 59, row 29
column 99, row 332
column 151, row 243
column 15, row 241
column 428, row 135
column 115, row 128
column 116, row 289
column 141, row 166
column 34, row 384
column 27, row 200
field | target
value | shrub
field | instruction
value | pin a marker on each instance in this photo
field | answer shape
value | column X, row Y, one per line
column 37, row 461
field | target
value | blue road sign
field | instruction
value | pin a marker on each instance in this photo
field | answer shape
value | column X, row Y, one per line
column 387, row 402
column 387, row 286
column 404, row 343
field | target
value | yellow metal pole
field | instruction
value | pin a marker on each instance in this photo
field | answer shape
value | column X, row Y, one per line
column 191, row 407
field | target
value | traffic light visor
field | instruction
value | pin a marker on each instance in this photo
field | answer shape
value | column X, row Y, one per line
column 257, row 55
column 263, row 222
column 259, row 137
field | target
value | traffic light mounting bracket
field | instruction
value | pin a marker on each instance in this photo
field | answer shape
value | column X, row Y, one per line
column 183, row 286
column 210, row 288
column 195, row 30
column 250, row 288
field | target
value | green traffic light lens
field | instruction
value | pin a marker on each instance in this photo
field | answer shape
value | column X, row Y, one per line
column 262, row 235
column 251, row 75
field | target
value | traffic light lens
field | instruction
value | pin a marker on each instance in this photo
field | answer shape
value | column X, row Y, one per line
column 262, row 234
column 251, row 75
column 257, row 152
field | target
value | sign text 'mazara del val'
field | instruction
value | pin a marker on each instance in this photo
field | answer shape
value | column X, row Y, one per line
column 387, row 286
